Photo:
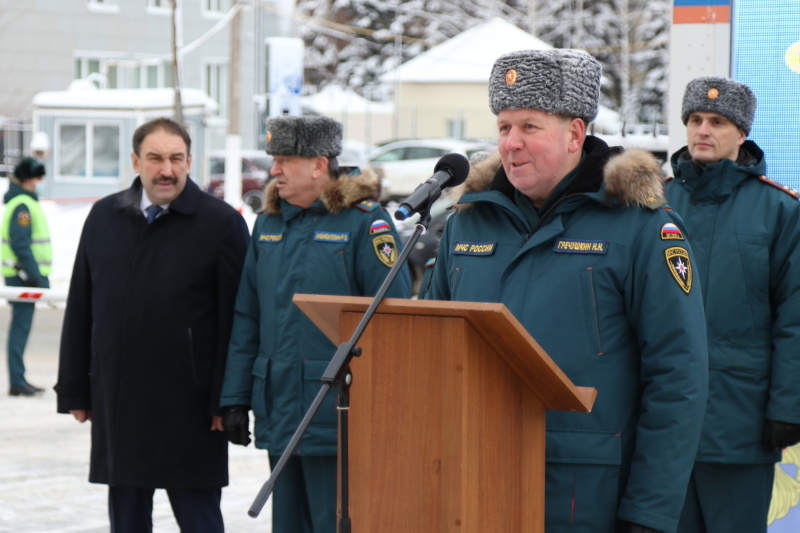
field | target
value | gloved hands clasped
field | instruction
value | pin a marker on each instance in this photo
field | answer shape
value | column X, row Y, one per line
column 236, row 422
column 780, row 435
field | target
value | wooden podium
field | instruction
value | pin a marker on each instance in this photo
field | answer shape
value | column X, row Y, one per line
column 447, row 415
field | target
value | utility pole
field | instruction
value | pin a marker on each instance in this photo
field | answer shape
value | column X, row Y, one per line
column 177, row 42
column 233, row 141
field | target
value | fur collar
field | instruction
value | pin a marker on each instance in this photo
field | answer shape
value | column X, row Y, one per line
column 632, row 177
column 338, row 196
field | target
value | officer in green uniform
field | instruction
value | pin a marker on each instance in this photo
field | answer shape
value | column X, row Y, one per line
column 321, row 232
column 26, row 262
column 745, row 232
column 576, row 240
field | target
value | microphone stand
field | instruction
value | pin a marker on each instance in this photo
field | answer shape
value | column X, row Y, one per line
column 338, row 375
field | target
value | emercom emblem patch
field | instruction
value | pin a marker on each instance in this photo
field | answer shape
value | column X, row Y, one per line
column 680, row 267
column 385, row 248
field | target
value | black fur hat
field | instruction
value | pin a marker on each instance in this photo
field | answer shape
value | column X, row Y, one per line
column 29, row 168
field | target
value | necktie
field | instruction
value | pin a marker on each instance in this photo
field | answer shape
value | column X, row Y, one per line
column 152, row 212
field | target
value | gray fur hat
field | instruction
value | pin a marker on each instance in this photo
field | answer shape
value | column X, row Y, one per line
column 715, row 94
column 303, row 136
column 560, row 81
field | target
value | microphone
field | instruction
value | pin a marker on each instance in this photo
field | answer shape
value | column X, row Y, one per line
column 451, row 170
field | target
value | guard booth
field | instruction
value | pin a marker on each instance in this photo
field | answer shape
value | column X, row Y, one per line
column 90, row 132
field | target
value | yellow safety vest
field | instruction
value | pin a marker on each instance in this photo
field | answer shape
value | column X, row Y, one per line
column 40, row 237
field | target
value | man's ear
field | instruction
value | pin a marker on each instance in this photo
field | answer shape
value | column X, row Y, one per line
column 320, row 166
column 742, row 137
column 577, row 134
column 135, row 162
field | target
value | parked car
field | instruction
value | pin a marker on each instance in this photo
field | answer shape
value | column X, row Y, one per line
column 256, row 165
column 403, row 165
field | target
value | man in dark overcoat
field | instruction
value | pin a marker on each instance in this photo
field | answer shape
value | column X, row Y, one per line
column 145, row 336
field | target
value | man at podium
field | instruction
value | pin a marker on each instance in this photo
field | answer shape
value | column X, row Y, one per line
column 576, row 240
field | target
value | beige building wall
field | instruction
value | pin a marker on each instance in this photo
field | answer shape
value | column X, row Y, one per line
column 434, row 109
column 369, row 128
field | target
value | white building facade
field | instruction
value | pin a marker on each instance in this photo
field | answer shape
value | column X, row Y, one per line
column 128, row 44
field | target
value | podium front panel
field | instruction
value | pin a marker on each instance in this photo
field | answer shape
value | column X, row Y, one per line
column 444, row 436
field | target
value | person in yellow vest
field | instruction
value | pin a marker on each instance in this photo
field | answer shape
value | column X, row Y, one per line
column 26, row 262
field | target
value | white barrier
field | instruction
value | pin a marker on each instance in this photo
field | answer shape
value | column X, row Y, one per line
column 33, row 294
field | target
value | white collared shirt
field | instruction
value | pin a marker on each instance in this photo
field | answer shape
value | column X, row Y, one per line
column 145, row 203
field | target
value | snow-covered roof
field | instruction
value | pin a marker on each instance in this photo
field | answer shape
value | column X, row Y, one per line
column 467, row 57
column 334, row 99
column 83, row 97
column 607, row 120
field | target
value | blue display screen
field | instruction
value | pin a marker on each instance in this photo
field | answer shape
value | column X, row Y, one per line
column 766, row 56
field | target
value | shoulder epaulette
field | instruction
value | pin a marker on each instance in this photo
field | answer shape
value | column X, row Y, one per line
column 785, row 188
column 367, row 205
column 654, row 203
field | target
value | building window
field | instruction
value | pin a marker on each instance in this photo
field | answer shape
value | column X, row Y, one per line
column 154, row 76
column 102, row 6
column 99, row 68
column 113, row 70
column 159, row 7
column 151, row 76
column 85, row 66
column 215, row 6
column 215, row 83
column 112, row 75
column 87, row 150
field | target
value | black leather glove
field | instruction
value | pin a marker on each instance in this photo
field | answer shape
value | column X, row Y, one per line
column 780, row 435
column 630, row 527
column 237, row 424
column 32, row 283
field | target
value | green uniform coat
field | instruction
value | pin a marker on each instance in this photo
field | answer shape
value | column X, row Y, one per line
column 745, row 233
column 603, row 281
column 343, row 244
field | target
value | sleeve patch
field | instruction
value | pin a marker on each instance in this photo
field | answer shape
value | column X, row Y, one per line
column 680, row 267
column 379, row 226
column 386, row 249
column 671, row 232
column 24, row 218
